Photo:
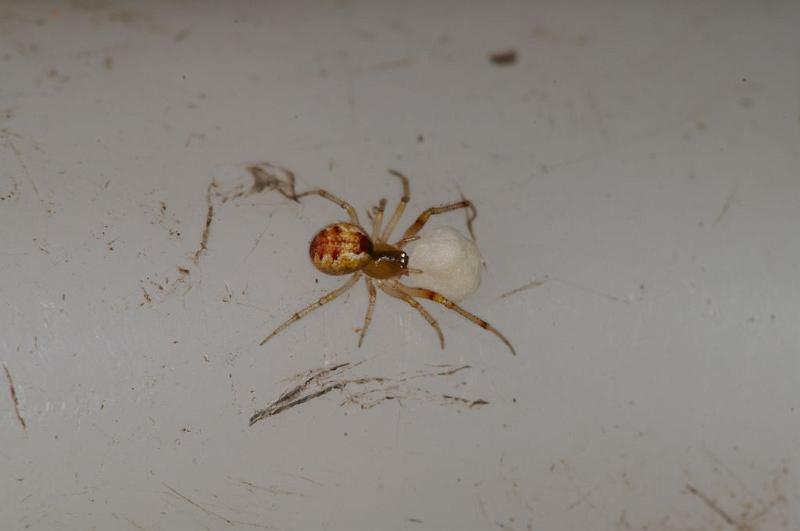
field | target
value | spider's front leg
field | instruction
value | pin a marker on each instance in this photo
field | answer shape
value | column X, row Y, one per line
column 411, row 233
column 325, row 299
column 401, row 206
column 330, row 197
column 376, row 215
column 264, row 177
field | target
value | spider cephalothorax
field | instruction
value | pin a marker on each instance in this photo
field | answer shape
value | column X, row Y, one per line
column 346, row 248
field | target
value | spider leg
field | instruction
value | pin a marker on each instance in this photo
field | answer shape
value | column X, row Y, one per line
column 401, row 206
column 329, row 196
column 377, row 218
column 444, row 301
column 371, row 308
column 415, row 227
column 404, row 241
column 313, row 306
column 264, row 179
column 393, row 288
column 472, row 213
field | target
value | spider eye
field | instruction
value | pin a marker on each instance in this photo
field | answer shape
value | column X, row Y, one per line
column 404, row 259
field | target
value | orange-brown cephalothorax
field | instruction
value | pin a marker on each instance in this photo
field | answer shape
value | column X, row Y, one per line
column 343, row 248
column 387, row 261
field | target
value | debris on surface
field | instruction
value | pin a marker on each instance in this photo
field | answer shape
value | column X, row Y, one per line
column 203, row 247
column 504, row 57
column 13, row 391
column 363, row 391
column 530, row 285
column 266, row 176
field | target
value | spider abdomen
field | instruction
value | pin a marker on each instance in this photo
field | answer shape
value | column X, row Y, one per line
column 340, row 249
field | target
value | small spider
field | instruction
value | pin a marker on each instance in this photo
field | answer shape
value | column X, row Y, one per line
column 345, row 248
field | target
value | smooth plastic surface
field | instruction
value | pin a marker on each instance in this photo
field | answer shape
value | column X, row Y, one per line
column 636, row 171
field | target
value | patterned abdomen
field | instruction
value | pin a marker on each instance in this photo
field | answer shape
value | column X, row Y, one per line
column 340, row 249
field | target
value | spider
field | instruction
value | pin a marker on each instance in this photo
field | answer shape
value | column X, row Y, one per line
column 346, row 248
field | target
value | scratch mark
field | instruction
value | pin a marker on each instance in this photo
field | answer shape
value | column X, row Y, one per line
column 414, row 520
column 467, row 402
column 735, row 476
column 134, row 524
column 423, row 374
column 207, row 229
column 482, row 509
column 530, row 285
column 725, row 207
column 14, row 188
column 14, row 399
column 394, row 63
column 599, row 118
column 663, row 127
column 192, row 136
column 190, row 501
column 584, row 497
column 255, row 244
column 747, row 520
column 228, row 521
column 304, row 478
column 24, row 167
column 767, row 508
column 272, row 489
column 349, row 87
column 630, row 299
column 622, row 521
column 711, row 504
column 289, row 399
column 278, row 406
column 14, row 182
column 369, row 390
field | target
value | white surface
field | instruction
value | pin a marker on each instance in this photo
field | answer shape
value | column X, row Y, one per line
column 450, row 263
column 641, row 159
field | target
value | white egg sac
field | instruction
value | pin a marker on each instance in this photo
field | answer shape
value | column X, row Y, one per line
column 450, row 263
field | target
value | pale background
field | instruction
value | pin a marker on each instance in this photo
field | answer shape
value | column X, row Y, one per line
column 638, row 168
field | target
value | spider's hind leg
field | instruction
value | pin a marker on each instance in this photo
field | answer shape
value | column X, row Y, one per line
column 370, row 309
column 393, row 288
column 424, row 293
